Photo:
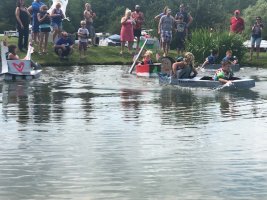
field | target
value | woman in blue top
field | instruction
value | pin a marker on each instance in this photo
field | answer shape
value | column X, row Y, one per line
column 35, row 9
column 57, row 16
column 256, row 37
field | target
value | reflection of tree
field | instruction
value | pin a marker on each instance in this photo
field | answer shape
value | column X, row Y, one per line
column 130, row 102
column 42, row 103
column 57, row 102
column 87, row 105
column 23, row 109
column 16, row 92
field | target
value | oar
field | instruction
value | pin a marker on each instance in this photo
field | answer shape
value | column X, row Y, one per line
column 136, row 57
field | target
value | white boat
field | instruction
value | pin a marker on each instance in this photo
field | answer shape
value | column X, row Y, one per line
column 17, row 69
column 206, row 82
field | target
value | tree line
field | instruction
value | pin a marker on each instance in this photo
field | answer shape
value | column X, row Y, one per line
column 206, row 13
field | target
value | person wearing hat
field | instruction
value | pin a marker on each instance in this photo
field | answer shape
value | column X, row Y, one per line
column 256, row 37
column 64, row 46
column 166, row 25
column 237, row 24
column 139, row 19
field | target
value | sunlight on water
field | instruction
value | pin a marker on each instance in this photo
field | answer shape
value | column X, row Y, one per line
column 99, row 133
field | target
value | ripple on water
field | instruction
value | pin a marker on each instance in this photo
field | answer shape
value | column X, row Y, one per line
column 98, row 133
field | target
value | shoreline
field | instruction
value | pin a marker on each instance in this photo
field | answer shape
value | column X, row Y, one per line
column 109, row 55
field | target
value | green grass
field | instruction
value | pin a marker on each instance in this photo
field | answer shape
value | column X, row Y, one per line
column 95, row 56
column 261, row 62
column 111, row 56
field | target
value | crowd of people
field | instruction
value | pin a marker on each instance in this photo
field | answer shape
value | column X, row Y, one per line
column 43, row 23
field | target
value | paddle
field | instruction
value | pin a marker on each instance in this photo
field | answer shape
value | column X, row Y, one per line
column 136, row 57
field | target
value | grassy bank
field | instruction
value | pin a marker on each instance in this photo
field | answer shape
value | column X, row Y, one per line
column 95, row 56
column 261, row 62
column 111, row 56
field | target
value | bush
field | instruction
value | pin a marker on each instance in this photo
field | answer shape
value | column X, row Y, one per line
column 203, row 41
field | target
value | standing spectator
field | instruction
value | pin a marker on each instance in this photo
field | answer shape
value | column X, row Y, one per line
column 23, row 21
column 237, row 24
column 181, row 32
column 44, row 26
column 89, row 16
column 138, row 17
column 57, row 16
column 83, row 34
column 188, row 19
column 35, row 9
column 161, row 14
column 64, row 46
column 166, row 25
column 158, row 18
column 256, row 37
column 127, row 34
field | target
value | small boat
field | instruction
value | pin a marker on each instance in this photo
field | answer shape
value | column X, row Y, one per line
column 214, row 67
column 148, row 70
column 17, row 69
column 206, row 82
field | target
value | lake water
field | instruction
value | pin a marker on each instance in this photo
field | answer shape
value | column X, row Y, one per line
column 89, row 133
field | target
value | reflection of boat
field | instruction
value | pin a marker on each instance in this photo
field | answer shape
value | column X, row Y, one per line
column 206, row 82
column 17, row 69
column 148, row 70
column 217, row 66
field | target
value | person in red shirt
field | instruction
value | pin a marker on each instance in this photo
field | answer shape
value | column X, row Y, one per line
column 237, row 24
column 138, row 17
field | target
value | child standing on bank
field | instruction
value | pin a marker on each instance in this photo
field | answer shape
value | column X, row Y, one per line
column 181, row 32
column 83, row 35
column 44, row 27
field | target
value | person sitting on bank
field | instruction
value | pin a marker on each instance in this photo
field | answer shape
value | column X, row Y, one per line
column 184, row 69
column 229, row 57
column 211, row 59
column 147, row 58
column 64, row 46
column 225, row 73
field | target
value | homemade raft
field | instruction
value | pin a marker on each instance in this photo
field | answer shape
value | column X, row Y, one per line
column 17, row 69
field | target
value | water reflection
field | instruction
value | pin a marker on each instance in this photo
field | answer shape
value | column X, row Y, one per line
column 96, row 133
column 131, row 102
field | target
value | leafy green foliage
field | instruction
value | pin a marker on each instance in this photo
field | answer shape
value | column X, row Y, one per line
column 206, row 13
column 204, row 41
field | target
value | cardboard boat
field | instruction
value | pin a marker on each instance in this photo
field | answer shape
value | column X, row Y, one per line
column 206, row 82
column 148, row 70
column 17, row 69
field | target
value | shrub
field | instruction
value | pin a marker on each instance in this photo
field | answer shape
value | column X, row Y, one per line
column 203, row 41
